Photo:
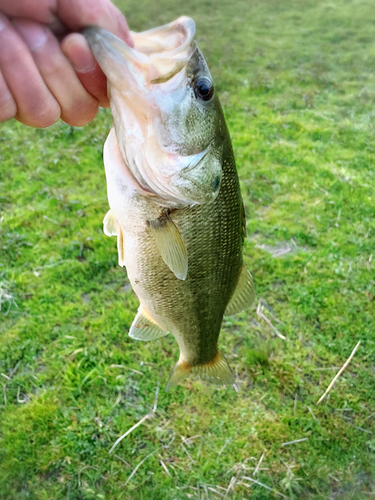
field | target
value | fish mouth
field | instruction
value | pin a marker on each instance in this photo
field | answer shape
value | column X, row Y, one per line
column 157, row 56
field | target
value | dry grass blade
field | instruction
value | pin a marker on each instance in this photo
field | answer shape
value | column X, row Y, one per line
column 188, row 454
column 230, row 486
column 19, row 400
column 83, row 469
column 264, row 486
column 139, row 465
column 162, row 463
column 339, row 373
column 259, row 463
column 295, row 441
column 130, row 430
column 156, row 399
column 123, row 461
column 14, row 369
column 370, row 416
column 223, row 448
column 190, row 439
column 267, row 306
column 127, row 368
column 355, row 426
column 312, row 414
column 146, row 417
column 8, row 378
column 268, row 321
column 5, row 394
column 215, row 491
column 6, row 297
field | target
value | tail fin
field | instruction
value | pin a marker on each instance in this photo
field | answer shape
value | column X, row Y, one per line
column 216, row 371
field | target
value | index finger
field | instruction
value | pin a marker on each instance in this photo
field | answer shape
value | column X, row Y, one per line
column 78, row 14
column 40, row 11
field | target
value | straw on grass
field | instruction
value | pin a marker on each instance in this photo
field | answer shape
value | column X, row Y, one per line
column 259, row 463
column 264, row 486
column 146, row 417
column 268, row 321
column 295, row 441
column 129, row 431
column 339, row 373
column 140, row 463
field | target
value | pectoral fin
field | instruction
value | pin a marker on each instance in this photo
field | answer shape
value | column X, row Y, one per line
column 243, row 295
column 216, row 371
column 170, row 245
column 144, row 327
column 112, row 228
column 110, row 224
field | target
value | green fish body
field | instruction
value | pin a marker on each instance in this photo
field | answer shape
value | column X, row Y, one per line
column 174, row 194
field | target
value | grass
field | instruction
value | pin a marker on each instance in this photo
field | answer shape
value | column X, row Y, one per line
column 298, row 87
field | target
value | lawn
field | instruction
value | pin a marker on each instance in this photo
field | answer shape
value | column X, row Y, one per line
column 297, row 82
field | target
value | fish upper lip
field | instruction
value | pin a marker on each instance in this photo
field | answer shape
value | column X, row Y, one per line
column 156, row 61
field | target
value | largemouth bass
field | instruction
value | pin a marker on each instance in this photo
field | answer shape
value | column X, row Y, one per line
column 174, row 195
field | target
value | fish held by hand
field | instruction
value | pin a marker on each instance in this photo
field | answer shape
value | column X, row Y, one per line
column 174, row 195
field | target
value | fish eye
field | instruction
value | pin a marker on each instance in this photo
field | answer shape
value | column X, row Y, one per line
column 204, row 89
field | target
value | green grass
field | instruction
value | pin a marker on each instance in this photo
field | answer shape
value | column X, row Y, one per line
column 298, row 86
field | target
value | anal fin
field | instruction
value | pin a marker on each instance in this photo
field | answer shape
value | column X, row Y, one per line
column 170, row 245
column 243, row 295
column 216, row 371
column 144, row 327
column 112, row 228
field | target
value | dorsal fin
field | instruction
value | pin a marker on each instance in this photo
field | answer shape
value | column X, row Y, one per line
column 170, row 245
column 243, row 295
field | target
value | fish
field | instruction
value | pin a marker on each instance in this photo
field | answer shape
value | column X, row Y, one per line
column 174, row 194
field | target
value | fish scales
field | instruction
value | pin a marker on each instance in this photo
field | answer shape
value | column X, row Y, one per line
column 174, row 194
column 213, row 238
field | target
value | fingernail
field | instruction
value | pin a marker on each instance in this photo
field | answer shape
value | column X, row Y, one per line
column 33, row 34
column 79, row 53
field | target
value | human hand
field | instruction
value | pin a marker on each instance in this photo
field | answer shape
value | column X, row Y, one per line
column 42, row 80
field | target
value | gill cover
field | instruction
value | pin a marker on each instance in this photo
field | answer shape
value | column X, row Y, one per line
column 166, row 115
